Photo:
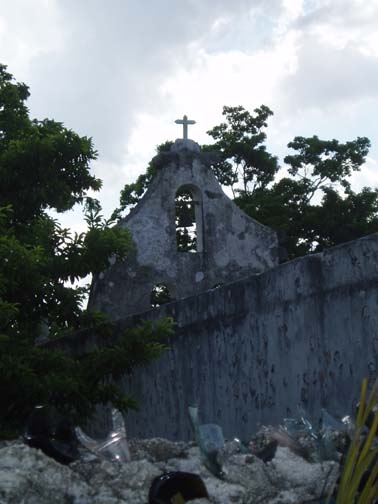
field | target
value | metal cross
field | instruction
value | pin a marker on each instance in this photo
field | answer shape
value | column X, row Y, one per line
column 185, row 121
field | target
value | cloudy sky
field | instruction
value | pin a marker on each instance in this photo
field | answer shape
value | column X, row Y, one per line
column 121, row 71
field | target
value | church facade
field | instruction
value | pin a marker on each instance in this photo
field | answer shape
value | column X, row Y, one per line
column 189, row 237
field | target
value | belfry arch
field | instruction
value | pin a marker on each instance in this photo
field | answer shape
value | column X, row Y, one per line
column 189, row 219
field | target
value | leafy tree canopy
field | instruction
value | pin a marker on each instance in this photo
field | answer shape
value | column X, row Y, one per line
column 132, row 193
column 44, row 166
column 313, row 205
column 245, row 164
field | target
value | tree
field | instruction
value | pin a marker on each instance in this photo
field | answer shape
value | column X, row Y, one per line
column 313, row 206
column 44, row 166
column 245, row 164
column 132, row 193
column 318, row 170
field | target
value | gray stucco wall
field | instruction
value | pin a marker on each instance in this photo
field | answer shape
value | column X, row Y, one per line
column 249, row 352
column 232, row 245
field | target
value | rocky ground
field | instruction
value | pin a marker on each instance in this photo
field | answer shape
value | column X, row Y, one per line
column 29, row 476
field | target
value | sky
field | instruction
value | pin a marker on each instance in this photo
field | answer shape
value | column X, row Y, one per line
column 122, row 71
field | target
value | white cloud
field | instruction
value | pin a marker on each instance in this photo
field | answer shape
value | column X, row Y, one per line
column 330, row 76
column 367, row 177
column 29, row 30
column 122, row 72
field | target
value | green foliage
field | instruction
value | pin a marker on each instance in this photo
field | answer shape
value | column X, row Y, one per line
column 33, row 375
column 42, row 164
column 244, row 158
column 37, row 261
column 316, row 168
column 313, row 227
column 45, row 166
column 319, row 161
column 132, row 193
column 138, row 345
column 362, row 455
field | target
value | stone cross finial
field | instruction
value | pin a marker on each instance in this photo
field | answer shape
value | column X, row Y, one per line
column 185, row 121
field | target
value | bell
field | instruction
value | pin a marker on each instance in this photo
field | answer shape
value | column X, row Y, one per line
column 184, row 217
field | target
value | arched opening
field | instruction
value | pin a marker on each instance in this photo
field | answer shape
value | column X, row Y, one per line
column 188, row 220
column 160, row 295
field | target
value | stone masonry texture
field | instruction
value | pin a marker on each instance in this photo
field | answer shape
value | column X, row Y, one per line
column 247, row 353
column 231, row 244
column 305, row 332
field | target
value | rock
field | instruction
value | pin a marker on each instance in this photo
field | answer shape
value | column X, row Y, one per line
column 251, row 474
column 28, row 476
column 127, row 482
column 157, row 449
column 304, row 480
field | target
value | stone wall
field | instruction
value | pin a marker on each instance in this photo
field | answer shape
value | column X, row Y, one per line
column 249, row 352
column 230, row 244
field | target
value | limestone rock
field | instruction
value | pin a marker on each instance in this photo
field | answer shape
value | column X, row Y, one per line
column 157, row 449
column 301, row 479
column 27, row 476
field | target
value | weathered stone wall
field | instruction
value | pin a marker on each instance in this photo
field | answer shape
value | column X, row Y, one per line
column 231, row 245
column 249, row 352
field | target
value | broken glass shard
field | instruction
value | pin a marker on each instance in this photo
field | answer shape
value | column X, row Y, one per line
column 325, row 446
column 293, row 426
column 329, row 422
column 242, row 447
column 308, row 427
column 114, row 447
column 210, row 440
